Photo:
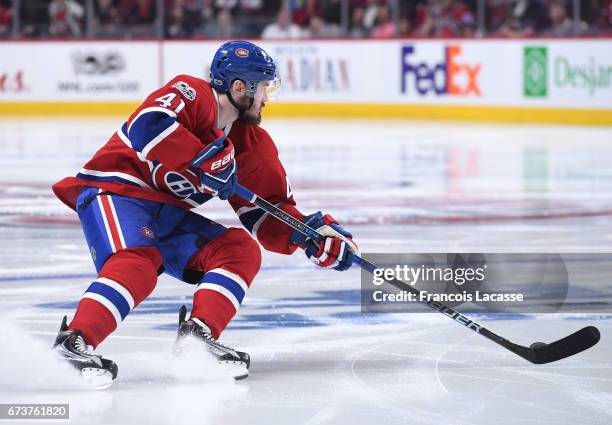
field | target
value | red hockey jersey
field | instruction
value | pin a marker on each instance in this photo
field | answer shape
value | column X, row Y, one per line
column 150, row 155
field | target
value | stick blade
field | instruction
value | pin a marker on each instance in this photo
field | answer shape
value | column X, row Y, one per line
column 572, row 344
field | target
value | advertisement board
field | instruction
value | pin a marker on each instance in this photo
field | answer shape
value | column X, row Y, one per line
column 466, row 79
column 573, row 74
column 78, row 71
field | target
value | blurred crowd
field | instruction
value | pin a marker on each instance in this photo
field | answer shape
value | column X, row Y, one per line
column 292, row 19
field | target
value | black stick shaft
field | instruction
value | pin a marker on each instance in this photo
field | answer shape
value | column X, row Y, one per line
column 365, row 264
column 557, row 350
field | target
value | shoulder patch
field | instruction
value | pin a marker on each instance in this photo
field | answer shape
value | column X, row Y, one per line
column 186, row 89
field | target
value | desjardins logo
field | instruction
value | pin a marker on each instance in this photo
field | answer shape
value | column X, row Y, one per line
column 535, row 71
column 589, row 76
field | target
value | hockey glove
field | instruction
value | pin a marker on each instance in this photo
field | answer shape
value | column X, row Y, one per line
column 335, row 251
column 217, row 169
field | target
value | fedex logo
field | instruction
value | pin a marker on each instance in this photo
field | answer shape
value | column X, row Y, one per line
column 451, row 76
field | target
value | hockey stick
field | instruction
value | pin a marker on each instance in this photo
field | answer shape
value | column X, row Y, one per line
column 538, row 353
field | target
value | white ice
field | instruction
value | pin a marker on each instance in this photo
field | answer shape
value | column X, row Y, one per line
column 399, row 187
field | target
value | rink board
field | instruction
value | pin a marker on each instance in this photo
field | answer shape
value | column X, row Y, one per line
column 527, row 80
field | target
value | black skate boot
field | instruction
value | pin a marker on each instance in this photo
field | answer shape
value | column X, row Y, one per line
column 96, row 370
column 238, row 361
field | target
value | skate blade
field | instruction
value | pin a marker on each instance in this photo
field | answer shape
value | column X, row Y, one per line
column 99, row 379
column 237, row 369
column 190, row 346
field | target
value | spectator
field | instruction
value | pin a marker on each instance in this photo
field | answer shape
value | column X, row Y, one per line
column 64, row 18
column 251, row 18
column 385, row 27
column 5, row 20
column 175, row 21
column 404, row 28
column 226, row 24
column 34, row 17
column 106, row 19
column 607, row 14
column 282, row 28
column 590, row 11
column 370, row 14
column 358, row 28
column 597, row 15
column 524, row 18
column 250, row 5
column 225, row 4
column 533, row 14
column 318, row 28
column 140, row 13
column 514, row 27
column 465, row 19
column 425, row 18
column 221, row 27
column 271, row 7
column 560, row 23
column 443, row 18
column 208, row 12
column 496, row 14
column 302, row 15
column 186, row 21
column 331, row 11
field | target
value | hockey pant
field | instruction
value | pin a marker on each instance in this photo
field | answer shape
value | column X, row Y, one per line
column 132, row 240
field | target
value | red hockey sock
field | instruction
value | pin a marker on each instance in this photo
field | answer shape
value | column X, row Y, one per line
column 230, row 264
column 126, row 279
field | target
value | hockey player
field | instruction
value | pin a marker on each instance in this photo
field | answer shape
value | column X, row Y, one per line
column 134, row 198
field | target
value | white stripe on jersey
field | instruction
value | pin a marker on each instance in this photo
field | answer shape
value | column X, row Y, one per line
column 151, row 109
column 124, row 176
column 157, row 140
column 141, row 157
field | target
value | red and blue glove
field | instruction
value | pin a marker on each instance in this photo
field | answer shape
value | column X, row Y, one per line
column 217, row 168
column 336, row 249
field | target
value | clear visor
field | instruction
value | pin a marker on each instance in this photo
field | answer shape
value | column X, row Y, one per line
column 273, row 88
column 268, row 90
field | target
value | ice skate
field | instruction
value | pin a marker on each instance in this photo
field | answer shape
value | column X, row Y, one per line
column 96, row 370
column 237, row 361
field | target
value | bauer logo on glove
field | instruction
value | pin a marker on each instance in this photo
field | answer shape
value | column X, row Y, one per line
column 217, row 168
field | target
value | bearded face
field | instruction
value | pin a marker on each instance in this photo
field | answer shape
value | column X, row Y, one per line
column 252, row 115
column 249, row 103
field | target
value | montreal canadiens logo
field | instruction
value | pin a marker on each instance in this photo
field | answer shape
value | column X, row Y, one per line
column 147, row 232
column 174, row 183
column 179, row 185
column 243, row 53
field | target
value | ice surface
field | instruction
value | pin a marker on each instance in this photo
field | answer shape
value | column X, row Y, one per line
column 399, row 187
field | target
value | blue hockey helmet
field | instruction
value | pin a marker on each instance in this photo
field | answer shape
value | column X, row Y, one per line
column 241, row 60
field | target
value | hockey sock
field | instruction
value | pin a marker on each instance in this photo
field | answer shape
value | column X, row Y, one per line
column 230, row 263
column 126, row 279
